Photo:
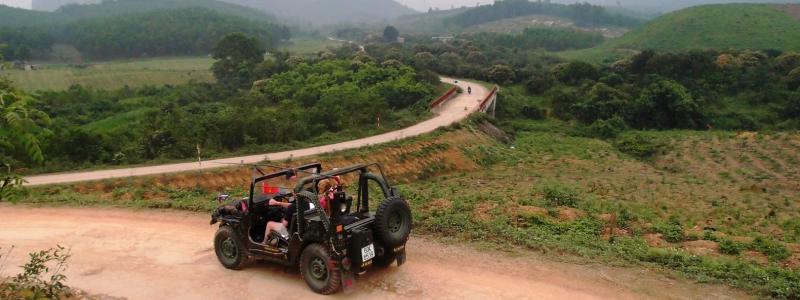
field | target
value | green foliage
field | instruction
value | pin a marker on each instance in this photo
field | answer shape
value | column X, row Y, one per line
column 637, row 145
column 793, row 79
column 607, row 129
column 774, row 249
column 501, row 74
column 730, row 247
column 23, row 42
column 141, row 34
column 301, row 103
column 725, row 26
column 583, row 14
column 560, row 195
column 551, row 39
column 666, row 104
column 237, row 56
column 390, row 34
column 42, row 277
column 672, row 231
column 20, row 134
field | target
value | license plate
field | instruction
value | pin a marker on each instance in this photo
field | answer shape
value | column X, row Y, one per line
column 367, row 252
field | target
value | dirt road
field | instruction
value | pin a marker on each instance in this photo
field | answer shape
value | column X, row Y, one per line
column 452, row 111
column 151, row 254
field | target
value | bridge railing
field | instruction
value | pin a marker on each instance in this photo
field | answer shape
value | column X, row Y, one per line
column 489, row 98
column 446, row 96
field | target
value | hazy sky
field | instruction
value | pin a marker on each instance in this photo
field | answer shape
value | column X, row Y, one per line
column 17, row 3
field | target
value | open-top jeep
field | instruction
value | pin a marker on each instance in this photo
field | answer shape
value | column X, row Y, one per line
column 331, row 245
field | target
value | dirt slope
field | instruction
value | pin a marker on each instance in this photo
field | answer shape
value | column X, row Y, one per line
column 453, row 111
column 168, row 255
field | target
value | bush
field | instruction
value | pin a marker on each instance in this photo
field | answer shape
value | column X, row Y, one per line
column 775, row 250
column 730, row 247
column 559, row 195
column 30, row 285
column 609, row 128
column 672, row 231
column 637, row 145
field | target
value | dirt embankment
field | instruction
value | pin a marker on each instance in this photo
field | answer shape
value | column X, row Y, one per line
column 168, row 255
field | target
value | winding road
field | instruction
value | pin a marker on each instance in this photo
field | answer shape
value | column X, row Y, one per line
column 157, row 254
column 452, row 111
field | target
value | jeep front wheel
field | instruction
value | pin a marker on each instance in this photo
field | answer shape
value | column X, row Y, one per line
column 230, row 252
column 318, row 269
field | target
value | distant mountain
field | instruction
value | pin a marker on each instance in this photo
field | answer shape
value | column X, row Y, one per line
column 19, row 17
column 117, row 7
column 666, row 6
column 326, row 12
column 51, row 5
column 302, row 12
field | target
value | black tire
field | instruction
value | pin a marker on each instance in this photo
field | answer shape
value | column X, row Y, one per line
column 230, row 251
column 393, row 222
column 321, row 276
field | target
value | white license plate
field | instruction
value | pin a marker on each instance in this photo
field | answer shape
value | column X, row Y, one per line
column 367, row 252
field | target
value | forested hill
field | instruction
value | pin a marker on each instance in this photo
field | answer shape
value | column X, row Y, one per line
column 114, row 8
column 184, row 31
column 583, row 14
column 17, row 17
column 188, row 31
column 324, row 12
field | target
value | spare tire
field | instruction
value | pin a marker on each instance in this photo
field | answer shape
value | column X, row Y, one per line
column 393, row 222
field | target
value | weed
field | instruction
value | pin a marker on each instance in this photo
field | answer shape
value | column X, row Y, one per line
column 730, row 247
column 560, row 195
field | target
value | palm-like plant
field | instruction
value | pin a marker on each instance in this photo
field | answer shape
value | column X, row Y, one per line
column 19, row 126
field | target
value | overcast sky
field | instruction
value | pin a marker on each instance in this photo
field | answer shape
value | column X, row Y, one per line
column 421, row 5
column 17, row 3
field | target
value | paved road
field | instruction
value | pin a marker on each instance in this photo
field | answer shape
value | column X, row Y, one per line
column 155, row 254
column 453, row 111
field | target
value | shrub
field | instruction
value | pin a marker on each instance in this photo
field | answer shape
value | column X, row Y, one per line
column 30, row 285
column 775, row 250
column 559, row 195
column 609, row 128
column 637, row 145
column 730, row 247
column 672, row 231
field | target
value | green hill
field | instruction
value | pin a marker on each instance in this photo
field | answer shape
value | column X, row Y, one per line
column 740, row 26
column 17, row 17
column 723, row 26
column 113, row 8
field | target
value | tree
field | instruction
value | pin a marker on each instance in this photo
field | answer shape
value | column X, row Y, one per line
column 20, row 129
column 390, row 34
column 237, row 56
column 501, row 74
column 665, row 104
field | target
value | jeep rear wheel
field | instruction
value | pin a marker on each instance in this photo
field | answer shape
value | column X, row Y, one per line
column 229, row 250
column 393, row 221
column 319, row 270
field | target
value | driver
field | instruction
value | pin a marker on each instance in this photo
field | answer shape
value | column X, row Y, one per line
column 289, row 209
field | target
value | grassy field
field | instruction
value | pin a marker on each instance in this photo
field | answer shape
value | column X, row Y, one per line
column 114, row 74
column 135, row 73
column 728, row 26
column 714, row 206
column 309, row 45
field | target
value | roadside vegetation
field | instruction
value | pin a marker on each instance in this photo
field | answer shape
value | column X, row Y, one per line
column 685, row 156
